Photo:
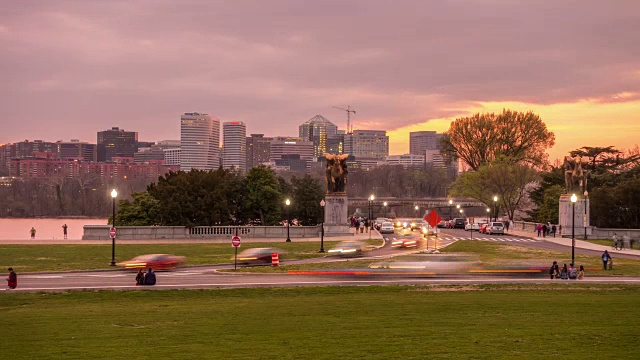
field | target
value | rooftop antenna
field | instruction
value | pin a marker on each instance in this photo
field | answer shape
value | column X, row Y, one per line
column 349, row 111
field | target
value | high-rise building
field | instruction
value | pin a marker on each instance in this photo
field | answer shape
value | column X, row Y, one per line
column 369, row 144
column 283, row 145
column 172, row 156
column 200, row 142
column 420, row 141
column 317, row 130
column 116, row 143
column 258, row 150
column 234, row 135
column 77, row 150
column 335, row 144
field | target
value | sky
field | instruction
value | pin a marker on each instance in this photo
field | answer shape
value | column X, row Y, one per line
column 71, row 68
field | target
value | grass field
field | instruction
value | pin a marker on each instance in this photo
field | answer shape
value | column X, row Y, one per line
column 29, row 258
column 487, row 322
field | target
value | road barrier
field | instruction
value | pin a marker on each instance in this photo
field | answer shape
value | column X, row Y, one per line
column 275, row 260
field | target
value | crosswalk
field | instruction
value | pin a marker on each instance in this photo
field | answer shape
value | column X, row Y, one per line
column 494, row 239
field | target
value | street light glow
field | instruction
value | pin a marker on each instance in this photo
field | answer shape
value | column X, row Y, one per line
column 488, row 210
column 450, row 202
column 371, row 197
column 416, row 207
column 495, row 198
column 461, row 211
column 458, row 206
column 385, row 203
column 287, row 202
column 114, row 193
column 574, row 198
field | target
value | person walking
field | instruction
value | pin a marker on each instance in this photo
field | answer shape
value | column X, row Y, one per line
column 140, row 277
column 605, row 259
column 581, row 273
column 548, row 227
column 553, row 230
column 366, row 225
column 539, row 229
column 361, row 226
column 33, row 233
column 552, row 270
column 150, row 277
column 64, row 231
column 544, row 231
column 12, row 280
column 506, row 224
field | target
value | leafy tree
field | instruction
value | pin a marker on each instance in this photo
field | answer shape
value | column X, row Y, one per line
column 263, row 200
column 481, row 138
column 616, row 206
column 307, row 194
column 143, row 210
column 504, row 178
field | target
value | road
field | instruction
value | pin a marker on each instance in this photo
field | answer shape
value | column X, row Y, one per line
column 210, row 277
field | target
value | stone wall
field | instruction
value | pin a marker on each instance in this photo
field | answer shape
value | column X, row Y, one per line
column 101, row 232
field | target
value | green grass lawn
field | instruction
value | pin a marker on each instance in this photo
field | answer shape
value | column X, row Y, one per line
column 29, row 258
column 486, row 322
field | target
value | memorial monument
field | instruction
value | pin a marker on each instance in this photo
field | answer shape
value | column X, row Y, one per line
column 575, row 179
column 336, row 210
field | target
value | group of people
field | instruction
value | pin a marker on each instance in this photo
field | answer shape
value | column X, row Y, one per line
column 64, row 232
column 566, row 273
column 148, row 278
column 361, row 224
column 548, row 229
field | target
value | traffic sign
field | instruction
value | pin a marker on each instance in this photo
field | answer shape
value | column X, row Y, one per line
column 235, row 241
column 433, row 218
column 112, row 232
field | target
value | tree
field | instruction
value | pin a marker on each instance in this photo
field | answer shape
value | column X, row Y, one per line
column 617, row 206
column 263, row 198
column 307, row 194
column 481, row 138
column 503, row 177
column 143, row 210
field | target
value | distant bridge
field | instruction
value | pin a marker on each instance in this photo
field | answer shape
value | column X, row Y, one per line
column 423, row 203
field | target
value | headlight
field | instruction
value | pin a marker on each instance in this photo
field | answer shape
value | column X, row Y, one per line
column 405, row 224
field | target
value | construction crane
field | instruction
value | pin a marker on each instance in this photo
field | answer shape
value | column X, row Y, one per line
column 349, row 111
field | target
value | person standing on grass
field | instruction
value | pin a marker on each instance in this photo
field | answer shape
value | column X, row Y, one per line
column 64, row 230
column 12, row 280
column 581, row 273
column 33, row 233
column 552, row 270
column 605, row 259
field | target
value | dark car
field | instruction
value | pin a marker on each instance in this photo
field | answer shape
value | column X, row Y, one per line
column 458, row 223
column 257, row 256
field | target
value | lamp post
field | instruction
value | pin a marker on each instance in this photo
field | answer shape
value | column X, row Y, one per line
column 322, row 204
column 114, row 194
column 287, row 203
column 495, row 207
column 574, row 198
column 416, row 208
column 488, row 216
column 385, row 208
column 450, row 211
column 371, row 198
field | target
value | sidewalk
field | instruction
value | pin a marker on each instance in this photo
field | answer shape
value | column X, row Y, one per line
column 580, row 244
column 359, row 237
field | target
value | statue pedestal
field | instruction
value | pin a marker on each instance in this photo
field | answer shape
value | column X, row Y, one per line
column 336, row 215
column 580, row 219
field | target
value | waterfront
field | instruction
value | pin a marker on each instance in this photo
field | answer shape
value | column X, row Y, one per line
column 46, row 228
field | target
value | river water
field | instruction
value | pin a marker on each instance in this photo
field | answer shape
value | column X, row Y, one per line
column 46, row 229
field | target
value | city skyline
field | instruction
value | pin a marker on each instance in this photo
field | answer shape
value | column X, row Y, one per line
column 403, row 67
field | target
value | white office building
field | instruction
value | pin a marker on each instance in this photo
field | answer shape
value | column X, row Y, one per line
column 199, row 142
column 368, row 144
column 234, row 134
column 406, row 160
column 172, row 156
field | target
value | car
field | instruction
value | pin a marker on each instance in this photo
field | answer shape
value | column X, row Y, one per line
column 154, row 261
column 405, row 243
column 495, row 228
column 378, row 223
column 387, row 228
column 428, row 230
column 458, row 223
column 348, row 248
column 417, row 224
column 442, row 224
column 257, row 256
column 483, row 228
column 472, row 226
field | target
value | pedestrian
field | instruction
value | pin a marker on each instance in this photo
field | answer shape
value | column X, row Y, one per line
column 581, row 273
column 539, row 229
column 548, row 227
column 553, row 230
column 573, row 272
column 33, row 233
column 605, row 259
column 506, row 224
column 615, row 241
column 140, row 278
column 544, row 230
column 552, row 270
column 12, row 280
column 366, row 225
column 560, row 230
column 564, row 273
column 150, row 277
column 361, row 226
column 64, row 230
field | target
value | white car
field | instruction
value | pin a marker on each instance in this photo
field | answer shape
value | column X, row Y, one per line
column 387, row 228
column 472, row 227
column 495, row 228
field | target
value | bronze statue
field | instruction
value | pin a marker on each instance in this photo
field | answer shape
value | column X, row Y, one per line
column 336, row 173
column 575, row 177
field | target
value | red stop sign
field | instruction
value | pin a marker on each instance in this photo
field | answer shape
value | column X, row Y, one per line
column 112, row 233
column 433, row 218
column 235, row 241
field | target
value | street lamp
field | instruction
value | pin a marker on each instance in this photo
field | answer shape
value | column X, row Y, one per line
column 574, row 198
column 322, row 204
column 416, row 210
column 114, row 194
column 488, row 216
column 287, row 203
column 495, row 204
column 385, row 208
column 371, row 198
column 450, row 211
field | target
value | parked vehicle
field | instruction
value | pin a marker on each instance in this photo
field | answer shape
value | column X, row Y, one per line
column 387, row 228
column 472, row 226
column 458, row 223
column 495, row 228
